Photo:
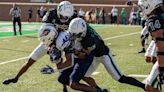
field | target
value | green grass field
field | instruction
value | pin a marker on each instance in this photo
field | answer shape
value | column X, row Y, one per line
column 123, row 41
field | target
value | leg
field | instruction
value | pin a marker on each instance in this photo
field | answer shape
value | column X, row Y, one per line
column 144, row 36
column 64, row 78
column 90, row 81
column 113, row 70
column 34, row 56
column 142, row 44
column 78, row 73
column 14, row 26
column 151, row 81
column 20, row 27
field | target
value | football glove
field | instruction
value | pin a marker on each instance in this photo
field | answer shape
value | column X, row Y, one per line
column 55, row 55
column 47, row 70
column 10, row 80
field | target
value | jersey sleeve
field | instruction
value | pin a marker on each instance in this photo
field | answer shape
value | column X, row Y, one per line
column 88, row 42
column 50, row 16
column 155, row 23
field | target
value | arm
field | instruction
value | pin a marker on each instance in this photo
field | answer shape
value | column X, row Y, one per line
column 10, row 13
column 67, row 64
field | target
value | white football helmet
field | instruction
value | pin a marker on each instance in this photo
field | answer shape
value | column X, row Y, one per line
column 147, row 6
column 77, row 28
column 63, row 40
column 47, row 34
column 65, row 11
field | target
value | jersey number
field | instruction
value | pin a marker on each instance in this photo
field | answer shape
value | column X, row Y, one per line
column 155, row 25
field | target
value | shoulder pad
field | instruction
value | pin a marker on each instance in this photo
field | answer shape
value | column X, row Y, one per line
column 63, row 40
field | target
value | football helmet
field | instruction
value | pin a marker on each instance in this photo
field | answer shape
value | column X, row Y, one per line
column 47, row 34
column 65, row 11
column 77, row 28
column 147, row 6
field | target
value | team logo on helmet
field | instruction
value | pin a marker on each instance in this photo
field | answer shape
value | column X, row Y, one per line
column 45, row 32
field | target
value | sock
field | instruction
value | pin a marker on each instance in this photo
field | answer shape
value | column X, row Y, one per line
column 131, row 81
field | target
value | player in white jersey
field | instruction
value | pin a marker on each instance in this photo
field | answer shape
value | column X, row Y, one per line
column 63, row 16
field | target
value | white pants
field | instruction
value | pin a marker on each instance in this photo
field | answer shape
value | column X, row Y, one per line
column 109, row 64
column 152, row 77
column 144, row 31
column 151, row 50
column 38, row 52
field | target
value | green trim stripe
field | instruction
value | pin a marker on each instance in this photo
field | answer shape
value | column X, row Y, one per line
column 5, row 34
column 155, row 81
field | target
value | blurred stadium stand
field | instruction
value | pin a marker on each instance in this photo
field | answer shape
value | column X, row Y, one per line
column 86, row 5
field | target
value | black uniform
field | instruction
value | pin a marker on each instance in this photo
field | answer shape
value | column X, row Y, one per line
column 52, row 17
column 94, row 42
column 156, row 22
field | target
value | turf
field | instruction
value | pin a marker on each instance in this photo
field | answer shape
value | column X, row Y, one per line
column 125, row 48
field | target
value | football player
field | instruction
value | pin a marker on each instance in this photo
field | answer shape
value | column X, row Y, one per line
column 144, row 33
column 144, row 37
column 152, row 84
column 59, row 18
column 155, row 23
column 68, row 70
column 93, row 44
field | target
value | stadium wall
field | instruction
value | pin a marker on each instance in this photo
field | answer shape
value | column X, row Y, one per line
column 6, row 6
column 119, row 2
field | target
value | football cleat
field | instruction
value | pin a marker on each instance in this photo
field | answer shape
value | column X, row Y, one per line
column 105, row 90
column 11, row 80
column 142, row 51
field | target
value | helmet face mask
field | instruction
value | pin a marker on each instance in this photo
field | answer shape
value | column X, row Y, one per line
column 79, row 35
column 63, row 19
column 77, row 28
column 65, row 11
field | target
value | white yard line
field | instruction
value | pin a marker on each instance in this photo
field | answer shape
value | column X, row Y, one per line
column 95, row 73
column 14, row 60
column 130, row 75
column 114, row 37
column 124, row 35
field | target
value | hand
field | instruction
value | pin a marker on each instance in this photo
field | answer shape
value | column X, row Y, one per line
column 10, row 80
column 82, row 55
column 55, row 55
